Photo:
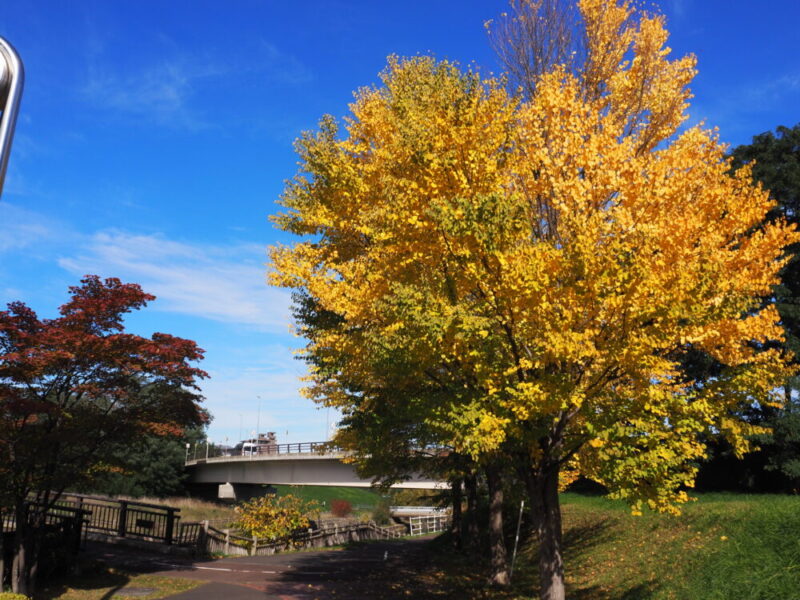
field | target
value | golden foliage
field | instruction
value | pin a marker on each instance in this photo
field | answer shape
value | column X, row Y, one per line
column 273, row 517
column 531, row 272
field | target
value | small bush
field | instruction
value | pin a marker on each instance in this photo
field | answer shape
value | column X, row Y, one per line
column 341, row 508
column 12, row 596
column 381, row 515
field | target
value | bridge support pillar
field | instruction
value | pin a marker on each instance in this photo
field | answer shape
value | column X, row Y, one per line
column 236, row 492
column 226, row 491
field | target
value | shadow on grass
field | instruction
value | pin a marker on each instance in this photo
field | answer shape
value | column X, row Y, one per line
column 433, row 570
column 579, row 542
column 92, row 577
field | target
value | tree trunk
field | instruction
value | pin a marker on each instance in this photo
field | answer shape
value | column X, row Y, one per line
column 20, row 565
column 473, row 532
column 497, row 542
column 456, row 526
column 543, row 491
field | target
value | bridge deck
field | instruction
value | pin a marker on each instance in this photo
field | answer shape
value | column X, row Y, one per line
column 310, row 463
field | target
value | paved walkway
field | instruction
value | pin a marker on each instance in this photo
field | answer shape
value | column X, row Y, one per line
column 369, row 570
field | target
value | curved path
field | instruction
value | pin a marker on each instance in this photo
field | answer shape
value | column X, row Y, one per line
column 370, row 570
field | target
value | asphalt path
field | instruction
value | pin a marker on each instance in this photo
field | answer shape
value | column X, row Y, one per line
column 369, row 570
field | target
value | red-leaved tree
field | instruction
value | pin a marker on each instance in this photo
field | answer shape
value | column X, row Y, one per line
column 72, row 386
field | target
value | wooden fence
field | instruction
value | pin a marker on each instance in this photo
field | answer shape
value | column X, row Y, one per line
column 60, row 531
column 127, row 518
column 161, row 524
column 223, row 541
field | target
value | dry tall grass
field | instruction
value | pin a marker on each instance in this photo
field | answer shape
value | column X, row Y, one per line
column 193, row 509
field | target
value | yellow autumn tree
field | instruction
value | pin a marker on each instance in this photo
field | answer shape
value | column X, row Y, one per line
column 274, row 517
column 524, row 277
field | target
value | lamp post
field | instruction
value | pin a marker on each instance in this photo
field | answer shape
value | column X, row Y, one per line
column 258, row 420
column 12, row 78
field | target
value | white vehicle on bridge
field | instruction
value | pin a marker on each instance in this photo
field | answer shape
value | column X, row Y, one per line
column 249, row 449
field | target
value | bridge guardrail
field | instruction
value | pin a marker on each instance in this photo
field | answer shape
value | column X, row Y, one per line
column 213, row 453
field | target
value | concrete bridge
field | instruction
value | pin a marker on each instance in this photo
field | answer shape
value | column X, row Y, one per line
column 309, row 463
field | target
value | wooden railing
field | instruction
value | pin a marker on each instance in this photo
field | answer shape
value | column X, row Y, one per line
column 58, row 531
column 126, row 518
column 226, row 541
column 155, row 523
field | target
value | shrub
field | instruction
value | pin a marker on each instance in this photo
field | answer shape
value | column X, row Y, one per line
column 274, row 517
column 12, row 596
column 381, row 515
column 341, row 508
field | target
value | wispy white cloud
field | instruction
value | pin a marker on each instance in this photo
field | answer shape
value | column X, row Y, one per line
column 170, row 91
column 161, row 92
column 221, row 283
column 735, row 111
column 21, row 228
column 677, row 7
column 765, row 93
column 281, row 67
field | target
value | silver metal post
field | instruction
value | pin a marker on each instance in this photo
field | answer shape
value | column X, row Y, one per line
column 12, row 79
column 516, row 540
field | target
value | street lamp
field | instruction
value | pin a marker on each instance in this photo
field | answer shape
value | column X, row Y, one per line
column 12, row 78
column 258, row 420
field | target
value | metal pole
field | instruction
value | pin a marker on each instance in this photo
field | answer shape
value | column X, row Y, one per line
column 516, row 541
column 258, row 421
column 12, row 80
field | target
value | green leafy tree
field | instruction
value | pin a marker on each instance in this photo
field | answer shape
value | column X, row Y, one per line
column 151, row 466
column 774, row 160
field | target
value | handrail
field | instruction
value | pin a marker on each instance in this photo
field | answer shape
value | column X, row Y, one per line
column 113, row 501
column 12, row 80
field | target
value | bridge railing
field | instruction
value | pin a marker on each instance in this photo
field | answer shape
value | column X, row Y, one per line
column 211, row 453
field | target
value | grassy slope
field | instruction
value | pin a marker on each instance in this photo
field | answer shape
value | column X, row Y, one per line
column 325, row 494
column 730, row 547
column 722, row 546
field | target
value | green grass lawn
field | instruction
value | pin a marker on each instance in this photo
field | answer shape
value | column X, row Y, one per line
column 364, row 497
column 722, row 547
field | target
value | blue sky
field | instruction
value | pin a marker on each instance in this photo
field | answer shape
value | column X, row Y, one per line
column 154, row 138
